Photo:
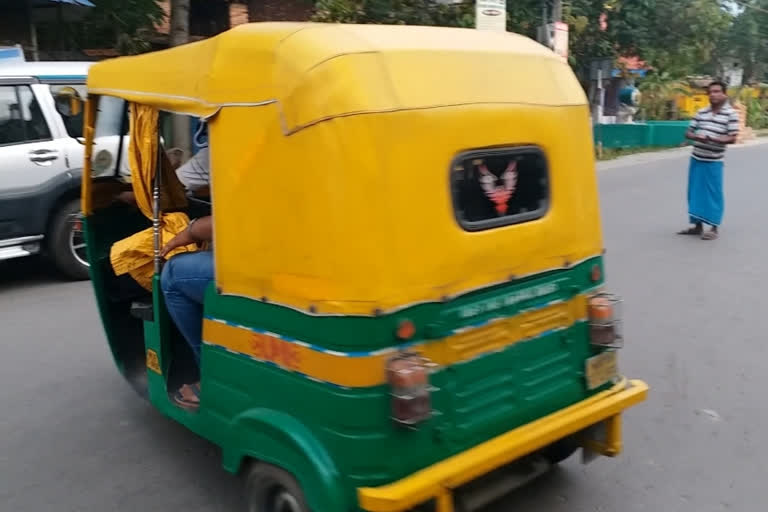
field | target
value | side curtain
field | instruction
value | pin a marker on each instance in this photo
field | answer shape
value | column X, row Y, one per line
column 135, row 255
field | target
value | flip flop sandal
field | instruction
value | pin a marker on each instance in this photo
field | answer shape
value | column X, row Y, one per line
column 710, row 235
column 690, row 231
column 184, row 401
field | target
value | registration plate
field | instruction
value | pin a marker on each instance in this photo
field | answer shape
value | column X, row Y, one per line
column 601, row 368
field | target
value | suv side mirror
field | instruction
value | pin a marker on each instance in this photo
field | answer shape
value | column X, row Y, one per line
column 68, row 102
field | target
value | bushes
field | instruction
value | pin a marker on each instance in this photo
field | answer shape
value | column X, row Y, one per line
column 757, row 118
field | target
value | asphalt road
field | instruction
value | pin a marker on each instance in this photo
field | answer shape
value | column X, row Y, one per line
column 74, row 437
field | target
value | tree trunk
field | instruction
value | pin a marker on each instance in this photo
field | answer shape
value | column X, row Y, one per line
column 179, row 22
column 254, row 10
column 182, row 138
column 32, row 32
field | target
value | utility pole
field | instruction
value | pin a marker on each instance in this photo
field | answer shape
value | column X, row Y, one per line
column 557, row 10
column 553, row 33
column 543, row 33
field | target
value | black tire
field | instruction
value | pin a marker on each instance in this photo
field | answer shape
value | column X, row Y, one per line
column 271, row 489
column 561, row 450
column 60, row 243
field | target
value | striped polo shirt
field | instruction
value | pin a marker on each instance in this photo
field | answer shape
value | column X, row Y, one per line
column 195, row 173
column 719, row 124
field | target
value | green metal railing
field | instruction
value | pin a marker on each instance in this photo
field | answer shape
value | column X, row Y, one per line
column 636, row 135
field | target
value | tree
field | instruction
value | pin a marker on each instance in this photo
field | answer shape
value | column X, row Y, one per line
column 747, row 40
column 658, row 93
column 182, row 138
column 280, row 10
column 395, row 12
column 676, row 36
column 179, row 22
column 122, row 24
column 588, row 39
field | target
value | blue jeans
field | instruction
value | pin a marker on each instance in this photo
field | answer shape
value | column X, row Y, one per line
column 184, row 280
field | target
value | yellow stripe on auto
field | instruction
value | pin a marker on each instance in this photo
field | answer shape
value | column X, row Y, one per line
column 367, row 369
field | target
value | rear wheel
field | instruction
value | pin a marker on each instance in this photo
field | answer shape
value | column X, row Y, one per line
column 66, row 243
column 271, row 489
column 560, row 450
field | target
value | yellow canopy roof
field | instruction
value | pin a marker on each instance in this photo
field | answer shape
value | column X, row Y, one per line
column 321, row 71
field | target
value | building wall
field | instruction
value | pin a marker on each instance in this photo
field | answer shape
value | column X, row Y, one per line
column 14, row 27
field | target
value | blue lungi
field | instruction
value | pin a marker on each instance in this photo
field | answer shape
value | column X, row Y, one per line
column 705, row 192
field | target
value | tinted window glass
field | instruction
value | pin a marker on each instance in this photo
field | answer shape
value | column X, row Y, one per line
column 21, row 119
column 494, row 188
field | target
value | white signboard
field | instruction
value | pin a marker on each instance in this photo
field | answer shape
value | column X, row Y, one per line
column 734, row 77
column 491, row 15
column 560, row 39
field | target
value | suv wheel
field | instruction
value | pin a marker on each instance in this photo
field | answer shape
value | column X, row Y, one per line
column 66, row 242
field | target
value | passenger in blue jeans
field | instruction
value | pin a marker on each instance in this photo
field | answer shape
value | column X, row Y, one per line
column 184, row 280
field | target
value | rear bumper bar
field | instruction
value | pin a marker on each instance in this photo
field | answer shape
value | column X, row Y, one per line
column 439, row 480
column 19, row 247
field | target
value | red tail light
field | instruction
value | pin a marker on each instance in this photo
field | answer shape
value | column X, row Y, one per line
column 405, row 330
column 77, row 221
column 605, row 320
column 408, row 376
column 596, row 274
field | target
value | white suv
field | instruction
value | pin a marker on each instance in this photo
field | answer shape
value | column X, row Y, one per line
column 41, row 162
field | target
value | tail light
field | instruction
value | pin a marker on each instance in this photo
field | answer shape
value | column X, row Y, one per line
column 76, row 219
column 408, row 377
column 596, row 273
column 405, row 330
column 604, row 312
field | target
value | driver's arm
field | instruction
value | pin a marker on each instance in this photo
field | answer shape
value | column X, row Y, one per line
column 202, row 230
column 198, row 231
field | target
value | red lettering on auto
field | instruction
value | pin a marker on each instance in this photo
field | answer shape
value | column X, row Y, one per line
column 275, row 350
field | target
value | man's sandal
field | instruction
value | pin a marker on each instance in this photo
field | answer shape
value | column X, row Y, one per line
column 188, row 397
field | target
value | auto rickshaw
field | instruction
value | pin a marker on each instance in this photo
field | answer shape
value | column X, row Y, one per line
column 409, row 306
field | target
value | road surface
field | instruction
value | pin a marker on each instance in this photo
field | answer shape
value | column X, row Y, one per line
column 74, row 437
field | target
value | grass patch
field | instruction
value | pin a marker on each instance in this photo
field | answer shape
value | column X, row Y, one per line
column 613, row 153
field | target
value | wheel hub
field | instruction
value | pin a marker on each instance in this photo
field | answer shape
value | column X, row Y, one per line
column 283, row 501
column 77, row 242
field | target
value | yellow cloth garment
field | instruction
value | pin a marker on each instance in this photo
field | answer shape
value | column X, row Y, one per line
column 135, row 255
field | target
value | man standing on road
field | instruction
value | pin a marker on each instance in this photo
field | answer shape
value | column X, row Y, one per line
column 711, row 130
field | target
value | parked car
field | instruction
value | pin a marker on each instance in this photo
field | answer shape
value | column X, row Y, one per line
column 41, row 162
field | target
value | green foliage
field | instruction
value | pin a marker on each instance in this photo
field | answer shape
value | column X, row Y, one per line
column 676, row 36
column 658, row 93
column 586, row 39
column 672, row 35
column 757, row 116
column 339, row 11
column 128, row 24
column 395, row 12
column 747, row 39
